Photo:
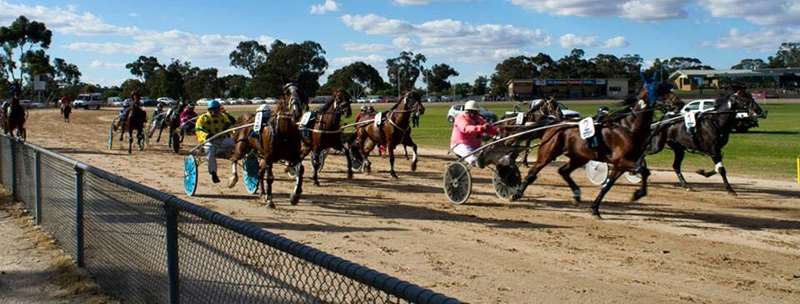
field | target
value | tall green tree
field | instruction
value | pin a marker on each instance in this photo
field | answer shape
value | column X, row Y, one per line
column 202, row 84
column 236, row 86
column 357, row 78
column 144, row 67
column 130, row 85
column 24, row 36
column 436, row 78
column 788, row 55
column 462, row 89
column 519, row 67
column 750, row 64
column 249, row 55
column 404, row 70
column 66, row 74
column 302, row 62
column 480, row 85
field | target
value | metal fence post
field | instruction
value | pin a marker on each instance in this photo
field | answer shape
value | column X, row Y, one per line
column 79, row 216
column 172, row 253
column 37, row 184
column 13, row 169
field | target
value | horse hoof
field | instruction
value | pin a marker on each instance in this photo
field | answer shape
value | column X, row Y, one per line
column 576, row 200
column 732, row 193
column 350, row 175
column 232, row 181
column 294, row 199
column 316, row 183
column 596, row 215
column 638, row 195
column 413, row 167
column 394, row 175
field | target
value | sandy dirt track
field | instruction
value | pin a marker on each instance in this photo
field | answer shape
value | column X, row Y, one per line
column 702, row 246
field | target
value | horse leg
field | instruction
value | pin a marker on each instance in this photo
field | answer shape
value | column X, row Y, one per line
column 676, row 165
column 298, row 183
column 645, row 173
column 347, row 150
column 566, row 170
column 369, row 145
column 160, row 130
column 547, row 153
column 315, row 167
column 390, row 151
column 610, row 180
column 270, row 179
column 525, row 154
column 130, row 140
column 720, row 168
column 405, row 150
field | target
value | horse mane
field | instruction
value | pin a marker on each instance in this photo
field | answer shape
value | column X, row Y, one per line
column 327, row 105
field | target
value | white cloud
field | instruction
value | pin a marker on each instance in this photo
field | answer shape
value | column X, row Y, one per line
column 765, row 13
column 66, row 20
column 172, row 44
column 106, row 65
column 325, row 7
column 767, row 40
column 644, row 10
column 462, row 41
column 371, row 59
column 134, row 15
column 412, row 2
column 615, row 42
column 570, row 41
column 366, row 47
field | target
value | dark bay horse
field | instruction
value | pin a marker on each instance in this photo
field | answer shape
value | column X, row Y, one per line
column 134, row 120
column 713, row 130
column 13, row 117
column 66, row 108
column 622, row 145
column 278, row 139
column 325, row 132
column 393, row 131
column 546, row 112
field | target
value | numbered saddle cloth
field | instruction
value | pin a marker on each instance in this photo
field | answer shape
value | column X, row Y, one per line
column 378, row 119
column 262, row 117
column 690, row 120
column 586, row 128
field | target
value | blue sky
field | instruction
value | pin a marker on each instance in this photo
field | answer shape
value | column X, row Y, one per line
column 471, row 35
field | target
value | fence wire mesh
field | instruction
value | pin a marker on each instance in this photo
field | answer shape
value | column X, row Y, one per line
column 58, row 201
column 125, row 247
column 219, row 265
column 6, row 161
column 26, row 162
column 217, row 259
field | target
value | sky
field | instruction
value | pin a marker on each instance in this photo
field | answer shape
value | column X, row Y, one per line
column 470, row 35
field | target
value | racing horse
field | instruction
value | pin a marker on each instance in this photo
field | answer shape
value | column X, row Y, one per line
column 547, row 111
column 66, row 108
column 134, row 120
column 278, row 139
column 622, row 144
column 325, row 132
column 13, row 117
column 394, row 131
column 713, row 130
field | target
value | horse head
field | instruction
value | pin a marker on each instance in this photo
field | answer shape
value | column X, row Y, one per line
column 341, row 103
column 411, row 102
column 297, row 101
column 742, row 100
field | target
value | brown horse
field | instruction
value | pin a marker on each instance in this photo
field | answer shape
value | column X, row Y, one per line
column 546, row 112
column 325, row 132
column 133, row 120
column 13, row 117
column 66, row 108
column 393, row 131
column 276, row 140
column 622, row 144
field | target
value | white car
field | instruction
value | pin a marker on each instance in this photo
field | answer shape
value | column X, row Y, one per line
column 700, row 105
column 202, row 102
column 362, row 100
column 86, row 101
column 270, row 100
column 458, row 109
column 167, row 101
column 115, row 101
column 257, row 100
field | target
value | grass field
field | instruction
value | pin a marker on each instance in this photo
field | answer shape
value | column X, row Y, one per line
column 767, row 151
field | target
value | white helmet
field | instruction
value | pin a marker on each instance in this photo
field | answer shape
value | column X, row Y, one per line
column 471, row 105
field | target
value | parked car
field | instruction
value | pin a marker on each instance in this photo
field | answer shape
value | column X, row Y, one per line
column 362, row 100
column 257, row 100
column 114, row 101
column 743, row 119
column 167, row 101
column 148, row 102
column 29, row 104
column 458, row 109
column 270, row 100
column 202, row 101
column 86, row 101
column 373, row 99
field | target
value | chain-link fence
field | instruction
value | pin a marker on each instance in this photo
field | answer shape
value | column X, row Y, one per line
column 145, row 246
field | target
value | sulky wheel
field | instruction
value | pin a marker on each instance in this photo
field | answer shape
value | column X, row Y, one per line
column 356, row 163
column 322, row 155
column 190, row 175
column 506, row 181
column 457, row 183
column 596, row 172
column 250, row 165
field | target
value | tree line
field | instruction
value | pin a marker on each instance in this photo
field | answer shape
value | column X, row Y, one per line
column 25, row 44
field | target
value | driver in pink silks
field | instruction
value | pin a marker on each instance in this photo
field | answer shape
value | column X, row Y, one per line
column 468, row 130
